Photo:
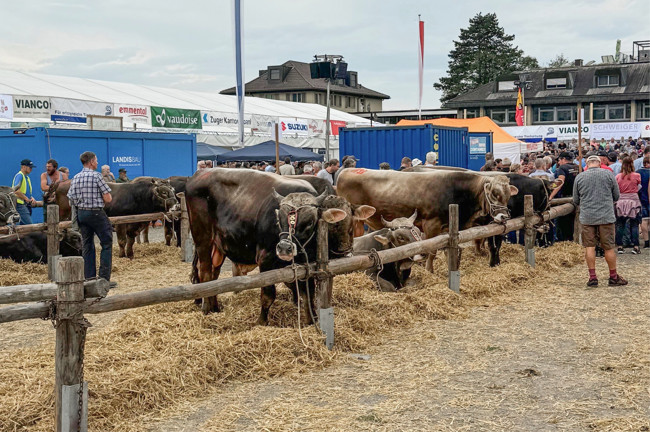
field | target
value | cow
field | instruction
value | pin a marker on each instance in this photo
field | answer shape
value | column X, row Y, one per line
column 142, row 195
column 321, row 185
column 255, row 218
column 8, row 213
column 398, row 194
column 32, row 247
column 398, row 232
column 174, row 228
column 539, row 188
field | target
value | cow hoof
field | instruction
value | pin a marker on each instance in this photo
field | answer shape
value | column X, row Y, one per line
column 262, row 321
column 198, row 302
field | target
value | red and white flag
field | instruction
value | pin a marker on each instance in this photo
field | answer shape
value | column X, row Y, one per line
column 519, row 112
column 421, row 64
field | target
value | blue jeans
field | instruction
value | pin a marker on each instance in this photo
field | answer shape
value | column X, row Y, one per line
column 627, row 231
column 25, row 213
column 93, row 222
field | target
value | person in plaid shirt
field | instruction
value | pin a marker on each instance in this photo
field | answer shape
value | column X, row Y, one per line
column 88, row 193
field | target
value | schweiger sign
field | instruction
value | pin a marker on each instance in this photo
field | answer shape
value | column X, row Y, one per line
column 164, row 117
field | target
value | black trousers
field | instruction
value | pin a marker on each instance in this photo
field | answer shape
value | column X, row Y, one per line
column 91, row 223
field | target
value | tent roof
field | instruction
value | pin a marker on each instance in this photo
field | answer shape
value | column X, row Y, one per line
column 480, row 124
column 266, row 151
column 207, row 151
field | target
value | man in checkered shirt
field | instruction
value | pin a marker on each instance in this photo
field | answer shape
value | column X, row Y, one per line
column 88, row 193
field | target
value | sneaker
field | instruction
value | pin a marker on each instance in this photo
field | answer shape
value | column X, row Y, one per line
column 646, row 245
column 635, row 250
column 621, row 250
column 618, row 281
column 592, row 283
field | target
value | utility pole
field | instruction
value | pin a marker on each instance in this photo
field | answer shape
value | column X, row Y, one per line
column 327, row 123
column 328, row 73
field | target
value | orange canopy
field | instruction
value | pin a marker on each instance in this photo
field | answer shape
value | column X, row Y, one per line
column 480, row 124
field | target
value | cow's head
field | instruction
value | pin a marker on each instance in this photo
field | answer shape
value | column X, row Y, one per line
column 70, row 242
column 297, row 216
column 49, row 196
column 342, row 233
column 8, row 213
column 163, row 194
column 497, row 191
column 401, row 231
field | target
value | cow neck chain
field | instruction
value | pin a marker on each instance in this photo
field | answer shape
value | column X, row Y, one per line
column 494, row 207
column 12, row 207
column 292, row 221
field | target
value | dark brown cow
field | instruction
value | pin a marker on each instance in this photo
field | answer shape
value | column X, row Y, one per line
column 8, row 213
column 398, row 194
column 255, row 218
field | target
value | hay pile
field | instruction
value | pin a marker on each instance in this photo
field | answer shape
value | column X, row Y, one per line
column 146, row 364
column 12, row 273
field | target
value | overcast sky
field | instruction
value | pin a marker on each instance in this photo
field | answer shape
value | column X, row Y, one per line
column 188, row 44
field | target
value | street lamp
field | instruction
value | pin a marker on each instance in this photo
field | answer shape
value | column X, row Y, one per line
column 323, row 66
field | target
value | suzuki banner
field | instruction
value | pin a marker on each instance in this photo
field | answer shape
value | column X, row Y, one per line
column 138, row 114
column 6, row 107
column 76, row 111
column 163, row 117
column 32, row 107
column 222, row 120
column 294, row 127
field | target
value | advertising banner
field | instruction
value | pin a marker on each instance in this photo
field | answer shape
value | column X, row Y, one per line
column 335, row 125
column 615, row 130
column 477, row 145
column 316, row 128
column 163, row 117
column 262, row 123
column 32, row 107
column 222, row 120
column 127, row 154
column 6, row 107
column 76, row 111
column 138, row 114
column 294, row 127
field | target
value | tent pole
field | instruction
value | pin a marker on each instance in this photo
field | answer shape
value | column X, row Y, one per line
column 327, row 124
column 277, row 150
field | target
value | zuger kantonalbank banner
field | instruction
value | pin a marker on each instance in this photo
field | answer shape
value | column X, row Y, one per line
column 76, row 111
column 32, row 107
column 163, row 117
column 224, row 121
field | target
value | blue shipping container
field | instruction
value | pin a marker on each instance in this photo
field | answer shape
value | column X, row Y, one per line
column 140, row 153
column 374, row 145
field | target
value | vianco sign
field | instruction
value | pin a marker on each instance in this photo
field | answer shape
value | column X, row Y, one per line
column 32, row 107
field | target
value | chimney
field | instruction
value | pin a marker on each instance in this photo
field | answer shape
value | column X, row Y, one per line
column 577, row 62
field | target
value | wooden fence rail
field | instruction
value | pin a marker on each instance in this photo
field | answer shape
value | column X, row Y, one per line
column 243, row 283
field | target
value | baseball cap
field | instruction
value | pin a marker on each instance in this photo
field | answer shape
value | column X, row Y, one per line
column 354, row 158
column 593, row 158
column 416, row 162
column 603, row 153
column 612, row 156
column 121, row 170
column 566, row 155
column 27, row 162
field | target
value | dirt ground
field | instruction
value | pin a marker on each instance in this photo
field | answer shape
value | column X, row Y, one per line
column 573, row 365
column 549, row 356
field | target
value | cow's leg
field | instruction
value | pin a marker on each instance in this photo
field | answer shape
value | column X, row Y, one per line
column 385, row 286
column 177, row 230
column 494, row 246
column 267, row 297
column 120, row 230
column 132, row 232
column 169, row 233
column 431, row 228
column 145, row 234
column 210, row 271
column 480, row 250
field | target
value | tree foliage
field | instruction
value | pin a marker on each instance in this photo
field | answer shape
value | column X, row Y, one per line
column 482, row 52
column 558, row 61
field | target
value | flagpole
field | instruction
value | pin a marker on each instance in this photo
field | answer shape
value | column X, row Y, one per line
column 239, row 69
column 420, row 64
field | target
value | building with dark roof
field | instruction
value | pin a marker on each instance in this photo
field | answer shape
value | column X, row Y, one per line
column 291, row 81
column 615, row 92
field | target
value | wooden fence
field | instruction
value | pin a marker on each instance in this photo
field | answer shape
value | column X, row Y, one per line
column 74, row 298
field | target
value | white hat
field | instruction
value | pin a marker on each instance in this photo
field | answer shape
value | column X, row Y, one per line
column 416, row 162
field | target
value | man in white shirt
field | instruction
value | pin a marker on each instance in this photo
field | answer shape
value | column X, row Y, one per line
column 287, row 168
column 328, row 172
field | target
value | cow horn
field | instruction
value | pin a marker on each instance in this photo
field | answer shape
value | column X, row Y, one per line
column 414, row 216
column 277, row 196
column 320, row 198
column 386, row 223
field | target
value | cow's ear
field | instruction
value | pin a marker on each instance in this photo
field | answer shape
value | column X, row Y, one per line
column 153, row 181
column 513, row 190
column 381, row 239
column 363, row 212
column 333, row 215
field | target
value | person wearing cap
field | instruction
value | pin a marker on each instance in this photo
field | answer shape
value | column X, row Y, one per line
column 25, row 201
column 416, row 162
column 566, row 172
column 505, row 165
column 89, row 193
column 348, row 162
column 604, row 160
column 121, row 176
column 595, row 191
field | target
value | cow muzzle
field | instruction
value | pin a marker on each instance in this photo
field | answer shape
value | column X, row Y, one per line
column 501, row 217
column 286, row 250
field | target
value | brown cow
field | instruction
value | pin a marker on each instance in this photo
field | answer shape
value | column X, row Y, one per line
column 398, row 194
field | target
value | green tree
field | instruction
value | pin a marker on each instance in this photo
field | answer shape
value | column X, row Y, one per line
column 482, row 52
column 558, row 61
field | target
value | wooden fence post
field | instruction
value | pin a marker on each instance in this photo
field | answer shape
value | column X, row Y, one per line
column 324, row 288
column 52, row 240
column 71, row 409
column 453, row 250
column 530, row 232
column 187, row 245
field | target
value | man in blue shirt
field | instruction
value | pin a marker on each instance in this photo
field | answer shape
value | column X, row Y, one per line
column 25, row 201
column 89, row 192
column 645, row 200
